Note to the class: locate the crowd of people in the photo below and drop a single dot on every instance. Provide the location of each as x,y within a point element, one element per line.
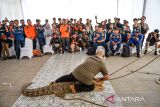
<point>72,35</point>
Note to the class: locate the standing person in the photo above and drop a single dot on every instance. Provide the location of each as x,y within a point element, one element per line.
<point>126,28</point>
<point>11,24</point>
<point>144,27</point>
<point>119,25</point>
<point>40,34</point>
<point>152,39</point>
<point>108,24</point>
<point>19,37</point>
<point>60,22</point>
<point>136,25</point>
<point>47,29</point>
<point>23,26</point>
<point>30,32</point>
<point>4,34</point>
<point>54,22</point>
<point>85,73</point>
<point>64,29</point>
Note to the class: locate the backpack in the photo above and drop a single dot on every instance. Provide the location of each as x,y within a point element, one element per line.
<point>90,51</point>
<point>125,51</point>
<point>37,52</point>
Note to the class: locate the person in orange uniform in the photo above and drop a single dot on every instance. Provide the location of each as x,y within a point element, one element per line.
<point>65,29</point>
<point>30,32</point>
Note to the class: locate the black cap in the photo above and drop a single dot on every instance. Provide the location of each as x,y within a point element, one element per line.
<point>135,19</point>
<point>156,30</point>
<point>37,20</point>
<point>116,29</point>
<point>128,31</point>
<point>138,31</point>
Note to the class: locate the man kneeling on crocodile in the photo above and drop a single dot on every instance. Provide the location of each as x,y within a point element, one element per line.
<point>82,79</point>
<point>85,73</point>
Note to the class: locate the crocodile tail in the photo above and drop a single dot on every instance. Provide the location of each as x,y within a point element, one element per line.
<point>46,90</point>
<point>25,86</point>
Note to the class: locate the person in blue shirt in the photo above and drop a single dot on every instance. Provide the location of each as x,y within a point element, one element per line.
<point>40,34</point>
<point>136,40</point>
<point>108,33</point>
<point>100,40</point>
<point>18,33</point>
<point>115,40</point>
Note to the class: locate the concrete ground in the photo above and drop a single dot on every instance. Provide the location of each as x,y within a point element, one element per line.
<point>13,74</point>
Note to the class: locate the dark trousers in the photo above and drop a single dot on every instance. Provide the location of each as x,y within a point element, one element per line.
<point>41,42</point>
<point>19,43</point>
<point>34,43</point>
<point>95,45</point>
<point>80,87</point>
<point>112,47</point>
<point>65,42</point>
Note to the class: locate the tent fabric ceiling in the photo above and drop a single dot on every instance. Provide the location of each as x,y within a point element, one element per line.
<point>125,9</point>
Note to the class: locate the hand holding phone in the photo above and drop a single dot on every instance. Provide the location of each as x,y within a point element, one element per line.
<point>95,17</point>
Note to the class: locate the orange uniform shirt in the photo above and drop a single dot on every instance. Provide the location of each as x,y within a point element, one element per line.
<point>30,31</point>
<point>64,29</point>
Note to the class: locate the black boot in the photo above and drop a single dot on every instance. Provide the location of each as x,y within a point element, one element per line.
<point>138,54</point>
<point>145,52</point>
<point>107,54</point>
<point>155,53</point>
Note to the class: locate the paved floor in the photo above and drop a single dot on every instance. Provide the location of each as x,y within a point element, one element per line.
<point>129,89</point>
<point>13,74</point>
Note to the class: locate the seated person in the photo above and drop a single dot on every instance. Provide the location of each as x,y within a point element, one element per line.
<point>152,39</point>
<point>115,40</point>
<point>56,43</point>
<point>108,33</point>
<point>84,40</point>
<point>74,43</point>
<point>136,40</point>
<point>99,40</point>
<point>85,73</point>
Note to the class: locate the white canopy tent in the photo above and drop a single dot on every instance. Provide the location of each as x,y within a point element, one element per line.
<point>104,9</point>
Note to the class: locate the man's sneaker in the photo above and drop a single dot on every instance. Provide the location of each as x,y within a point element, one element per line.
<point>145,52</point>
<point>115,53</point>
<point>158,81</point>
<point>155,53</point>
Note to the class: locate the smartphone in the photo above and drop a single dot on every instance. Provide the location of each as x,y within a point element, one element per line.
<point>95,17</point>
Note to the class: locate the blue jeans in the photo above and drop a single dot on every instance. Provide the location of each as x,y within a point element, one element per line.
<point>65,42</point>
<point>95,45</point>
<point>19,43</point>
<point>112,47</point>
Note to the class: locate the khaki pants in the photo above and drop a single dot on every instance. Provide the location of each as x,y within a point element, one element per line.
<point>5,50</point>
<point>147,45</point>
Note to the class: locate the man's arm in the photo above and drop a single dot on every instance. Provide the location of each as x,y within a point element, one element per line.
<point>104,71</point>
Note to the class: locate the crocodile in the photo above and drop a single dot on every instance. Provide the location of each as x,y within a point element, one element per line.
<point>59,89</point>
